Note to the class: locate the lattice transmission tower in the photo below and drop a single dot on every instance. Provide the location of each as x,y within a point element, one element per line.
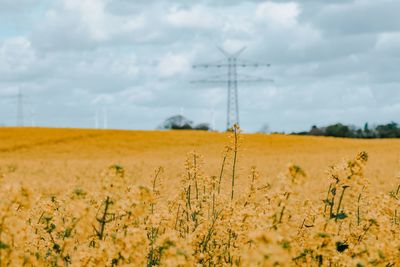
<point>231,63</point>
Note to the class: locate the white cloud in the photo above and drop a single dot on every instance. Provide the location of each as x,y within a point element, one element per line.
<point>137,95</point>
<point>7,6</point>
<point>104,99</point>
<point>173,64</point>
<point>126,54</point>
<point>279,14</point>
<point>111,64</point>
<point>91,15</point>
<point>16,57</point>
<point>234,45</point>
<point>194,17</point>
<point>79,24</point>
<point>388,41</point>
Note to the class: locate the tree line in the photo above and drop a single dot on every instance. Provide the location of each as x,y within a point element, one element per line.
<point>390,130</point>
<point>179,122</point>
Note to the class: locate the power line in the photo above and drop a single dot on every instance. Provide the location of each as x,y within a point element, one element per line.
<point>232,78</point>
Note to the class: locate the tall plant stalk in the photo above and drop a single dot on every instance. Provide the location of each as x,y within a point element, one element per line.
<point>235,152</point>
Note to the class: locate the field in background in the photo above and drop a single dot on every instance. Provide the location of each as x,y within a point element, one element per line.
<point>61,155</point>
<point>51,162</point>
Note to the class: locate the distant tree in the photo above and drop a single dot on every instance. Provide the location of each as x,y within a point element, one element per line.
<point>177,122</point>
<point>301,133</point>
<point>388,130</point>
<point>359,133</point>
<point>264,129</point>
<point>366,128</point>
<point>338,130</point>
<point>316,131</point>
<point>368,132</point>
<point>203,127</point>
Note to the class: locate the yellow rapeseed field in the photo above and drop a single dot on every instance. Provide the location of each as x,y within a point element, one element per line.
<point>73,197</point>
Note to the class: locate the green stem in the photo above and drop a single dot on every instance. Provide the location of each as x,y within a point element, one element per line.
<point>195,175</point>
<point>222,171</point>
<point>340,202</point>
<point>154,187</point>
<point>358,210</point>
<point>235,151</point>
<point>177,216</point>
<point>327,199</point>
<point>103,222</point>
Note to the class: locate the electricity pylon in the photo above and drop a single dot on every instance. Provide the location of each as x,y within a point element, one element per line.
<point>21,101</point>
<point>232,79</point>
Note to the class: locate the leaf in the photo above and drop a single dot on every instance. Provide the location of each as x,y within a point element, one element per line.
<point>57,248</point>
<point>341,216</point>
<point>341,246</point>
<point>3,245</point>
<point>323,235</point>
<point>333,191</point>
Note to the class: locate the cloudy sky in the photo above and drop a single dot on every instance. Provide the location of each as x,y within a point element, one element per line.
<point>332,61</point>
